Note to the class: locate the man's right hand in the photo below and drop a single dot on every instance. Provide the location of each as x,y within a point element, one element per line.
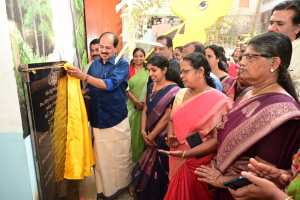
<point>86,92</point>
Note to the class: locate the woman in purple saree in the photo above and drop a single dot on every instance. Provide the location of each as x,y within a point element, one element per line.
<point>263,122</point>
<point>150,175</point>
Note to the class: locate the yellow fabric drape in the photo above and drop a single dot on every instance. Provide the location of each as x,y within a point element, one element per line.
<point>59,139</point>
<point>79,153</point>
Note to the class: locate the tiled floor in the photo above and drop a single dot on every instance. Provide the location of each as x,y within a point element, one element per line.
<point>87,189</point>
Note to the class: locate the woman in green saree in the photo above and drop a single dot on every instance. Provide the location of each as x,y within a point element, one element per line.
<point>138,77</point>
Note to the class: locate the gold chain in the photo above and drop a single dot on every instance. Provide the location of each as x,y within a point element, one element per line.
<point>259,91</point>
<point>152,97</point>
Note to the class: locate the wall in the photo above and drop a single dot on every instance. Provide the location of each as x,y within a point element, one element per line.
<point>100,17</point>
<point>266,9</point>
<point>268,5</point>
<point>15,182</point>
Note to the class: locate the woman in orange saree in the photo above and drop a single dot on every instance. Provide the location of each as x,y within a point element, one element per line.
<point>196,109</point>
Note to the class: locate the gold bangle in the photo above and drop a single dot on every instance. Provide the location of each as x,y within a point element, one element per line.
<point>153,134</point>
<point>183,154</point>
<point>217,177</point>
<point>289,197</point>
<point>143,131</point>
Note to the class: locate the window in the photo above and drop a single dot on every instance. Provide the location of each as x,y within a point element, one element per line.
<point>244,3</point>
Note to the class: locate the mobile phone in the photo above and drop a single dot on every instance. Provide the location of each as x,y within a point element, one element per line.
<point>237,183</point>
<point>194,140</point>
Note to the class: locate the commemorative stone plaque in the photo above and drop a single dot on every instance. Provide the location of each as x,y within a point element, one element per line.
<point>45,86</point>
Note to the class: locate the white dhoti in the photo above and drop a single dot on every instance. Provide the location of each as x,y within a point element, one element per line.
<point>112,148</point>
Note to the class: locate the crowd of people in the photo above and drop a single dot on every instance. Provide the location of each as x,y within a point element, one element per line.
<point>180,124</point>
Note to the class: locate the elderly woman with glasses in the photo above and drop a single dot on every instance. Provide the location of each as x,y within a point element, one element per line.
<point>263,122</point>
<point>197,109</point>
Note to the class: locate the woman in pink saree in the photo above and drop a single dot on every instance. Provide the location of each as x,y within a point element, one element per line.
<point>196,109</point>
<point>263,122</point>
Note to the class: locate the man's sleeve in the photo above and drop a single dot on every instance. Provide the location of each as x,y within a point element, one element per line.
<point>294,70</point>
<point>89,73</point>
<point>119,75</point>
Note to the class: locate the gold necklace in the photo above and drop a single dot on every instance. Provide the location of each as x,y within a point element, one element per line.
<point>152,97</point>
<point>189,94</point>
<point>258,92</point>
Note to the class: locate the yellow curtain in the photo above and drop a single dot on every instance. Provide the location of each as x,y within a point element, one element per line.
<point>79,153</point>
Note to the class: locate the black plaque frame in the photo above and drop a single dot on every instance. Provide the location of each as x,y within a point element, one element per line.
<point>40,82</point>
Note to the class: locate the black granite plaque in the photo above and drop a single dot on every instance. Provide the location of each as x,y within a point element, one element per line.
<point>46,95</point>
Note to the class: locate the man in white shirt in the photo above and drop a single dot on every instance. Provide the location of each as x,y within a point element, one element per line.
<point>286,19</point>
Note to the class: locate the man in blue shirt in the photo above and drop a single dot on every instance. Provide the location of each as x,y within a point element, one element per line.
<point>107,83</point>
<point>198,47</point>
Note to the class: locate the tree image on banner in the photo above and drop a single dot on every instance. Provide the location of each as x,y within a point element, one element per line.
<point>77,11</point>
<point>32,38</point>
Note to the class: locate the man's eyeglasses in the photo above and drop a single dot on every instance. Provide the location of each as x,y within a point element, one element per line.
<point>250,56</point>
<point>184,72</point>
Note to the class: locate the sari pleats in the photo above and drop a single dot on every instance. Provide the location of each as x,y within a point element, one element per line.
<point>184,183</point>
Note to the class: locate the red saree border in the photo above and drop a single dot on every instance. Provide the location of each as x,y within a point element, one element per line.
<point>253,129</point>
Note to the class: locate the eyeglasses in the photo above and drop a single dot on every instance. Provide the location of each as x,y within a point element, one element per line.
<point>184,72</point>
<point>250,56</point>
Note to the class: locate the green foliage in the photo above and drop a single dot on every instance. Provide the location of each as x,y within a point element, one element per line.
<point>81,36</point>
<point>79,22</point>
<point>225,24</point>
<point>26,55</point>
<point>42,14</point>
<point>46,23</point>
<point>28,16</point>
<point>84,59</point>
<point>137,12</point>
<point>25,51</point>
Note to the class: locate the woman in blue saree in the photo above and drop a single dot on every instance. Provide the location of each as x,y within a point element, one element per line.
<point>150,175</point>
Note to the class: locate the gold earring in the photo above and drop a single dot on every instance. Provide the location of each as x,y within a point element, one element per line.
<point>200,76</point>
